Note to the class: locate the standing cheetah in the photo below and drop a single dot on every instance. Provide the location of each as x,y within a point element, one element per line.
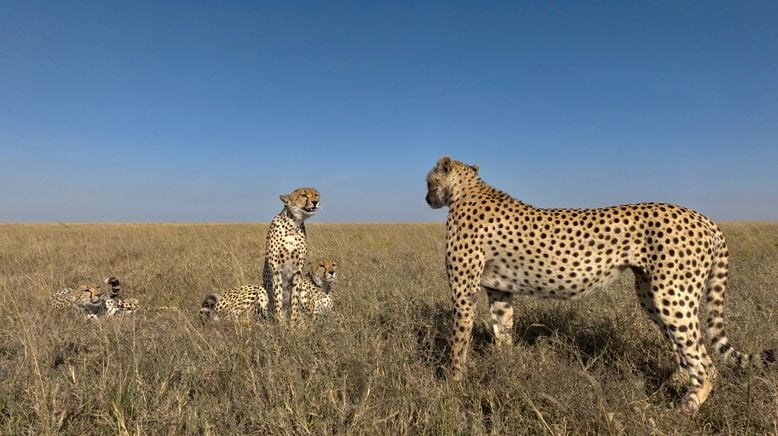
<point>285,250</point>
<point>243,300</point>
<point>316,295</point>
<point>506,247</point>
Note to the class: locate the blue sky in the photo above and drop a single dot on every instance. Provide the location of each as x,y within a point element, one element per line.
<point>165,111</point>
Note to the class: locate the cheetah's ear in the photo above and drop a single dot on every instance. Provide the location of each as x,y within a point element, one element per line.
<point>284,198</point>
<point>444,164</point>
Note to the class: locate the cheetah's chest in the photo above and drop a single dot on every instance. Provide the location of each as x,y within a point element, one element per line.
<point>287,242</point>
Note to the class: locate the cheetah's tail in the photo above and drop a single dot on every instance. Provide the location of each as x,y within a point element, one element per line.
<point>164,309</point>
<point>714,295</point>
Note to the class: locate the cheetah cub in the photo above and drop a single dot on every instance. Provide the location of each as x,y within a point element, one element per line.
<point>316,295</point>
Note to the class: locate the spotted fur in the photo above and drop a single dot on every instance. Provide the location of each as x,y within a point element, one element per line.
<point>242,301</point>
<point>505,247</point>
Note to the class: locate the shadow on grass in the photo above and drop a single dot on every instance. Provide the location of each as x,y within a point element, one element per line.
<point>594,341</point>
<point>433,331</point>
<point>572,336</point>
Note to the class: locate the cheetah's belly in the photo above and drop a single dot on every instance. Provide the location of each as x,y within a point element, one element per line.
<point>524,282</point>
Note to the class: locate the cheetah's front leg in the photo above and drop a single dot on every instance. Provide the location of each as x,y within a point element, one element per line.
<point>463,278</point>
<point>296,290</point>
<point>278,294</point>
<point>465,297</point>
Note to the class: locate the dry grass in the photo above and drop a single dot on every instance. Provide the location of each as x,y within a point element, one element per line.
<point>594,366</point>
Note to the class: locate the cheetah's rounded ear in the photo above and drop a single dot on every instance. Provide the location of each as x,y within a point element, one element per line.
<point>284,198</point>
<point>444,164</point>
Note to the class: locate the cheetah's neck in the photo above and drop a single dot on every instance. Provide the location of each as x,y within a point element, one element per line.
<point>323,286</point>
<point>473,186</point>
<point>298,221</point>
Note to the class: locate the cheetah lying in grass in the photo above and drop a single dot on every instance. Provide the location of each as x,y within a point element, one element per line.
<point>86,300</point>
<point>239,302</point>
<point>83,300</point>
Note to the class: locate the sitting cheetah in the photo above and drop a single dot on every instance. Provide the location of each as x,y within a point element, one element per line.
<point>286,248</point>
<point>506,247</point>
<point>316,292</point>
<point>236,302</point>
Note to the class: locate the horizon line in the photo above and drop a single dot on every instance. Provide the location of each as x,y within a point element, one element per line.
<point>118,223</point>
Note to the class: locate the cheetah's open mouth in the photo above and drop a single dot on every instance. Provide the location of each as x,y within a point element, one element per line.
<point>311,210</point>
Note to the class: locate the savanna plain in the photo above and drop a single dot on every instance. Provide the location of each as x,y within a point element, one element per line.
<point>377,365</point>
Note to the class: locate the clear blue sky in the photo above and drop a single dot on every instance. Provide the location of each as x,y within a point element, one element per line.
<point>165,111</point>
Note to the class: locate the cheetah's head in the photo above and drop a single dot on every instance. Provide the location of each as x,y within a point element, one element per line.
<point>88,293</point>
<point>207,312</point>
<point>444,179</point>
<point>303,203</point>
<point>324,272</point>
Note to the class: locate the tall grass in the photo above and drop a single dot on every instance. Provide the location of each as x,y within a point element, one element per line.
<point>377,365</point>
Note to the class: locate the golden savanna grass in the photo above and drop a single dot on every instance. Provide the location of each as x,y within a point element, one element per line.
<point>376,366</point>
